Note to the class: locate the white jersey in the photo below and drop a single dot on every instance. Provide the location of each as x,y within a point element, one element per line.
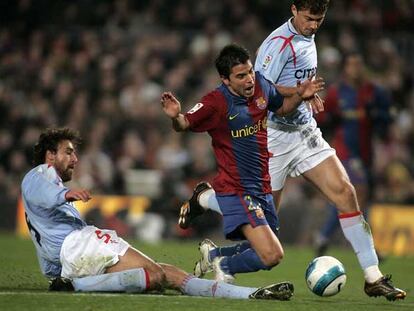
<point>49,216</point>
<point>284,58</point>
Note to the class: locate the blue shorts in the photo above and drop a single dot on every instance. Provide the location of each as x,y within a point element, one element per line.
<point>238,210</point>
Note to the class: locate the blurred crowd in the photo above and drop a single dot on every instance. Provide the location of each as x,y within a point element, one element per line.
<point>100,67</point>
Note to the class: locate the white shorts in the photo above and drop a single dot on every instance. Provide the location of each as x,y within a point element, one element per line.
<point>295,150</point>
<point>90,251</point>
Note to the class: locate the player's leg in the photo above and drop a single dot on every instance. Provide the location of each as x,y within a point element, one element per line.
<point>192,286</point>
<point>265,253</point>
<point>209,251</point>
<point>359,178</point>
<point>331,223</point>
<point>252,218</point>
<point>331,178</point>
<point>134,272</point>
<point>99,260</point>
<point>203,198</point>
<point>265,243</point>
<point>134,259</point>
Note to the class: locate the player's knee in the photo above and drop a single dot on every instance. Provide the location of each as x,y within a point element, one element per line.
<point>272,257</point>
<point>157,278</point>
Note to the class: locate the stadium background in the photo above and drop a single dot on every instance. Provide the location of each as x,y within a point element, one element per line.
<point>100,67</point>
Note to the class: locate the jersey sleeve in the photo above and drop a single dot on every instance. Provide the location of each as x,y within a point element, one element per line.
<point>205,115</point>
<point>275,99</point>
<point>39,191</point>
<point>273,57</point>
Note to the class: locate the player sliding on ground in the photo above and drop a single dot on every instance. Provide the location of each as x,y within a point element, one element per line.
<point>79,257</point>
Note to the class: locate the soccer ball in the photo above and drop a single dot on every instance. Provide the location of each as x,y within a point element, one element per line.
<point>325,276</point>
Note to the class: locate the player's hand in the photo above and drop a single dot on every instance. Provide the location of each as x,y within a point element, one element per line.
<point>310,87</point>
<point>170,105</point>
<point>316,104</point>
<point>78,195</point>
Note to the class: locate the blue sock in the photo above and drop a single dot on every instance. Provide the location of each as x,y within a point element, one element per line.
<point>331,224</point>
<point>193,286</point>
<point>247,261</point>
<point>134,280</point>
<point>229,250</point>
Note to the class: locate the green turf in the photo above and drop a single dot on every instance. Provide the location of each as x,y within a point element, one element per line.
<point>22,287</point>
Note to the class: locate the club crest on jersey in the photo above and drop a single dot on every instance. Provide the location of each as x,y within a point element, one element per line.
<point>267,61</point>
<point>195,108</point>
<point>261,103</point>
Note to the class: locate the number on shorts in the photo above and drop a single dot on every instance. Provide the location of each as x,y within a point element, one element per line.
<point>101,236</point>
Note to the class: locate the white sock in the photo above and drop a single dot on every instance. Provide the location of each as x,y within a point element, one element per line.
<point>372,274</point>
<point>208,200</point>
<point>358,233</point>
<point>134,280</point>
<point>204,197</point>
<point>193,286</point>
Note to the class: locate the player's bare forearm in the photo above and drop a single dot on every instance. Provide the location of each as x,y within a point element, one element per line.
<point>303,90</point>
<point>78,195</point>
<point>286,90</point>
<point>290,104</point>
<point>306,88</point>
<point>180,123</point>
<point>172,108</point>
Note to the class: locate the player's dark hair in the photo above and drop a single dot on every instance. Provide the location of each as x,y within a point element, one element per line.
<point>50,139</point>
<point>231,55</point>
<point>314,6</point>
<point>346,56</point>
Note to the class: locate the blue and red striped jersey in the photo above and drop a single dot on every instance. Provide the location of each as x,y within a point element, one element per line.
<point>357,114</point>
<point>237,126</point>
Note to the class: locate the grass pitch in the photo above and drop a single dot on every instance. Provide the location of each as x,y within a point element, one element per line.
<point>22,287</point>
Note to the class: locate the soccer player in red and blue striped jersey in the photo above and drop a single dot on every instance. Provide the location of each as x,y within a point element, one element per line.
<point>235,116</point>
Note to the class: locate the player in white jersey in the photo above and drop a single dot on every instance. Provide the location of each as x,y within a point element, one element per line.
<point>296,146</point>
<point>76,256</point>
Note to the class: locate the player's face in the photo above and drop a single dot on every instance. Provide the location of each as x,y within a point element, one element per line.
<point>65,160</point>
<point>354,67</point>
<point>306,23</point>
<point>241,80</point>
